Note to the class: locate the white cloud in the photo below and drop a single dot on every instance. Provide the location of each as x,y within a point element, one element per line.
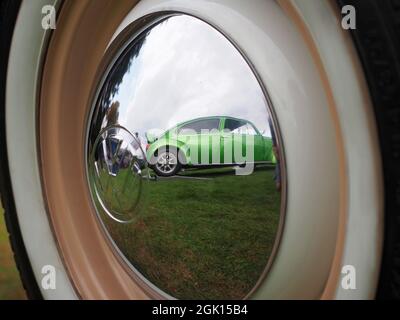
<point>185,70</point>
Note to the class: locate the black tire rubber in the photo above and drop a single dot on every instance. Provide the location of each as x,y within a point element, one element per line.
<point>8,14</point>
<point>377,39</point>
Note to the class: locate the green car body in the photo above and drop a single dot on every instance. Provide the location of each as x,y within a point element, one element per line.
<point>212,141</point>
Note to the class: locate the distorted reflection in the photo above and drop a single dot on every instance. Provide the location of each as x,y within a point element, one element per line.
<point>183,162</point>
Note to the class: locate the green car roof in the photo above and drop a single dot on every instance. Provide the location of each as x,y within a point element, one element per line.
<point>209,118</point>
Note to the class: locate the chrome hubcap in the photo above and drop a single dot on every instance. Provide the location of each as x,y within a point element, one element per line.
<point>178,84</point>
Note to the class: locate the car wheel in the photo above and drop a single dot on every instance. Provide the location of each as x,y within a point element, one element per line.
<point>166,163</point>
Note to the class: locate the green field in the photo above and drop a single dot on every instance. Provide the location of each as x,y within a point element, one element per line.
<point>207,238</point>
<point>10,284</point>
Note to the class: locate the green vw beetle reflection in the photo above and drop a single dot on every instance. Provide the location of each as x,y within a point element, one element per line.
<point>208,142</point>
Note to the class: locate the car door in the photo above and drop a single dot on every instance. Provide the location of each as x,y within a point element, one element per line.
<point>200,137</point>
<point>257,142</point>
<point>241,142</point>
<point>232,141</point>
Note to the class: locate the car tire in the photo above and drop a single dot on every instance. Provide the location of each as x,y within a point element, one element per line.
<point>377,39</point>
<point>169,153</point>
<point>8,14</point>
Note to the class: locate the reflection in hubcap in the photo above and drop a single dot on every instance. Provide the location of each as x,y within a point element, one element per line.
<point>117,168</point>
<point>181,126</point>
<point>166,162</point>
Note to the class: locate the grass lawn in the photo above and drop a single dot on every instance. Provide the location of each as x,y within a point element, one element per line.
<point>10,284</point>
<point>207,238</point>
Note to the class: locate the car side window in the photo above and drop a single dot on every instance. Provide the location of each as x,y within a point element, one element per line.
<point>239,127</point>
<point>235,126</point>
<point>199,126</point>
<point>241,130</point>
<point>251,130</point>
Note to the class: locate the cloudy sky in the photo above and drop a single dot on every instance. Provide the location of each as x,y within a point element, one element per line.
<point>185,70</point>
